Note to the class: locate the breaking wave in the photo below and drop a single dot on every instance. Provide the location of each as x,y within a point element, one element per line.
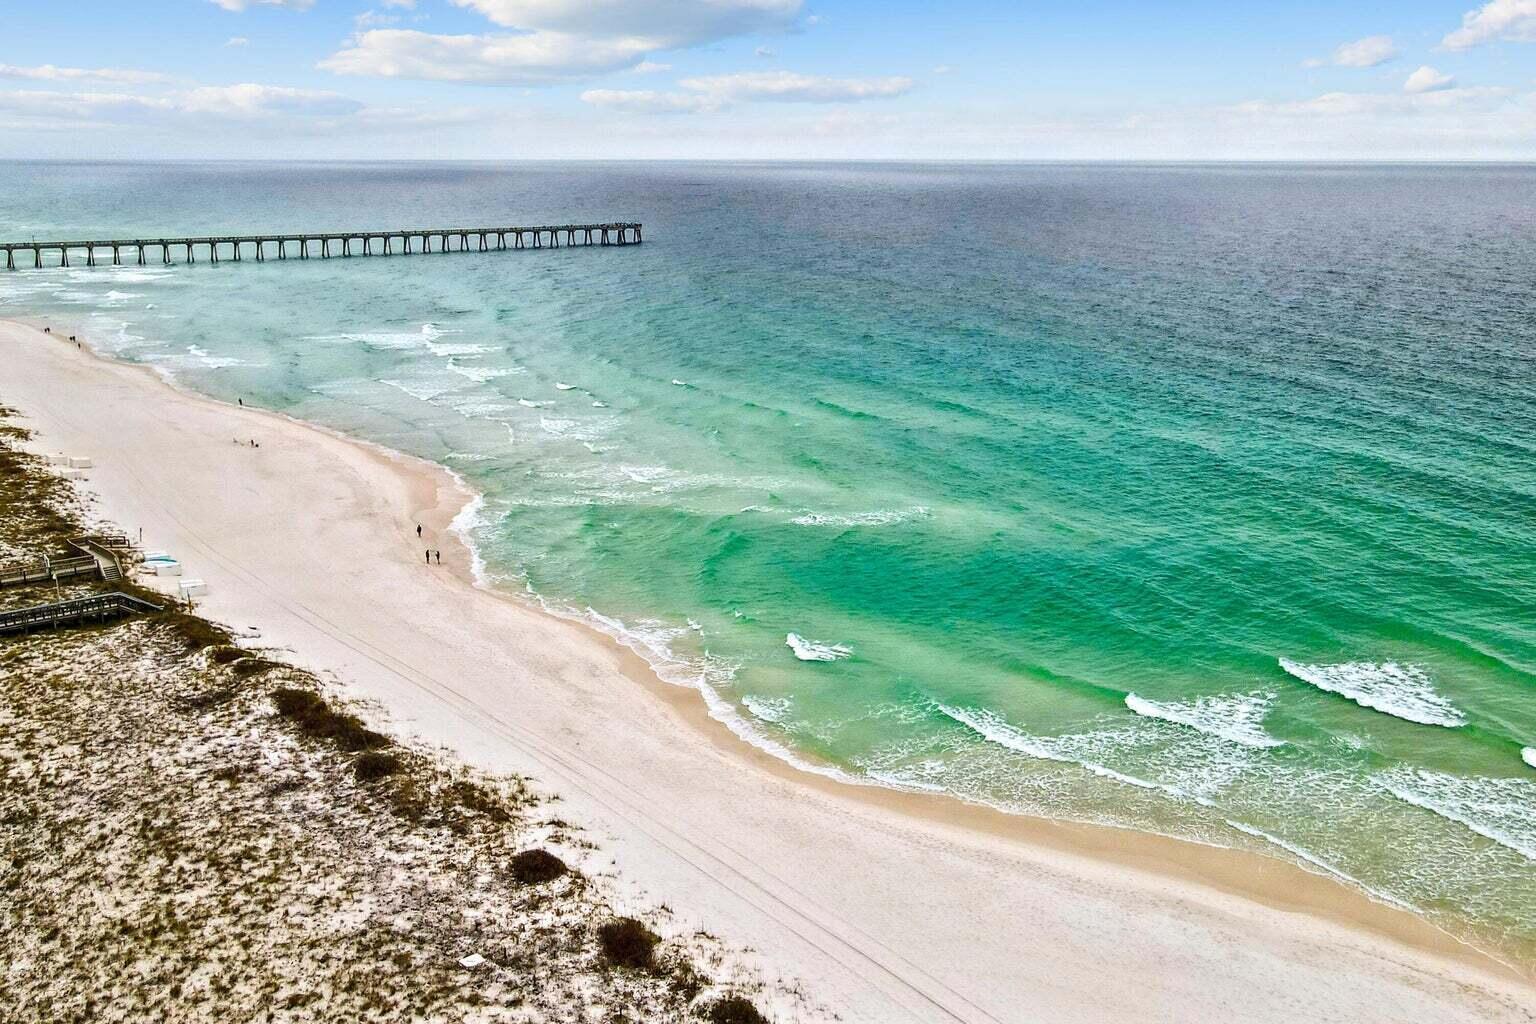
<point>990,726</point>
<point>1501,810</point>
<point>879,517</point>
<point>1238,718</point>
<point>1403,691</point>
<point>815,650</point>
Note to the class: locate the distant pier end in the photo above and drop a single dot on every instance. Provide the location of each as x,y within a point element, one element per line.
<point>301,246</point>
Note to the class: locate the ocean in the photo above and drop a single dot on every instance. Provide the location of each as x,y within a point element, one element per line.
<point>1197,499</point>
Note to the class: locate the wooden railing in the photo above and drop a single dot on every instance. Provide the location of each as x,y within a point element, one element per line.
<point>76,612</point>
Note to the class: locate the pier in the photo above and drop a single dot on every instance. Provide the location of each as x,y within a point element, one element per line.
<point>321,245</point>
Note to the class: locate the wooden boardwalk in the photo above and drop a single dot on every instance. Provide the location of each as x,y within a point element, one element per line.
<point>78,612</point>
<point>322,245</point>
<point>47,570</point>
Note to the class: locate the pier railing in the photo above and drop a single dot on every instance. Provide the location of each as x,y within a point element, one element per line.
<point>333,243</point>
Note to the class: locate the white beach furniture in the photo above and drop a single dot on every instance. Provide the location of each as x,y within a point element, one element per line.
<point>192,588</point>
<point>80,461</point>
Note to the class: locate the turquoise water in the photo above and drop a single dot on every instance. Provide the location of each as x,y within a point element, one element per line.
<point>1195,499</point>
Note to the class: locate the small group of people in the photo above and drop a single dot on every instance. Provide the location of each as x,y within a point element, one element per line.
<point>244,444</point>
<point>430,553</point>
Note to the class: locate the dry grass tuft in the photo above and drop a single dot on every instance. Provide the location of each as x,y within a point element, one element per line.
<point>732,1010</point>
<point>373,765</point>
<point>627,942</point>
<point>535,867</point>
<point>317,719</point>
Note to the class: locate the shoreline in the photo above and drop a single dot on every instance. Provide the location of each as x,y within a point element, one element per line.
<point>1166,867</point>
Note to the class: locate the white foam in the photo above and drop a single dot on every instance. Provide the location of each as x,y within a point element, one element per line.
<point>202,358</point>
<point>879,517</point>
<point>1528,755</point>
<point>1317,862</point>
<point>645,474</point>
<point>991,727</point>
<point>530,404</point>
<point>815,650</point>
<point>1403,691</point>
<point>564,387</point>
<point>769,709</point>
<point>679,383</point>
<point>416,389</point>
<point>470,518</point>
<point>1502,810</point>
<point>480,374</point>
<point>457,350</point>
<point>599,405</point>
<point>569,428</point>
<point>1235,717</point>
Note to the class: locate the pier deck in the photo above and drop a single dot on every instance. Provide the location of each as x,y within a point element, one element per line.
<point>333,243</point>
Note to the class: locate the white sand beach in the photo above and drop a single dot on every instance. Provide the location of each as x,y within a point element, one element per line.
<point>887,907</point>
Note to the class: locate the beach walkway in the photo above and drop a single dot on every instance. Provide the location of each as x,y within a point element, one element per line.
<point>79,611</point>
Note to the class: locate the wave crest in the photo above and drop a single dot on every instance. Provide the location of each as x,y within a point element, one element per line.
<point>1403,691</point>
<point>1235,717</point>
<point>815,650</point>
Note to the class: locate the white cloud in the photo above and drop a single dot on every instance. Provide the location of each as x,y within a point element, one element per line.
<point>647,101</point>
<point>1364,53</point>
<point>1427,79</point>
<point>407,4</point>
<point>648,67</point>
<point>535,59</point>
<point>50,73</point>
<point>670,23</point>
<point>1499,19</point>
<point>715,92</point>
<point>942,69</point>
<point>374,19</point>
<point>241,5</point>
<point>237,41</point>
<point>252,100</point>
<point>787,86</point>
<point>245,102</point>
<point>1374,104</point>
<point>764,51</point>
<point>557,39</point>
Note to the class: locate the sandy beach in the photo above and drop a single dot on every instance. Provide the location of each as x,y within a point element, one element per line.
<point>886,906</point>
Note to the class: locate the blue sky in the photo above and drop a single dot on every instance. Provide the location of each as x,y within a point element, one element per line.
<point>496,79</point>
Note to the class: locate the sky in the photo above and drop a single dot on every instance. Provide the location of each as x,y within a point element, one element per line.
<point>767,79</point>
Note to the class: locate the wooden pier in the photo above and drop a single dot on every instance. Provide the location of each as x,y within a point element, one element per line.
<point>323,245</point>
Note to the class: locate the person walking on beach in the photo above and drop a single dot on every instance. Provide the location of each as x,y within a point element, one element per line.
<point>429,556</point>
<point>439,558</point>
<point>418,531</point>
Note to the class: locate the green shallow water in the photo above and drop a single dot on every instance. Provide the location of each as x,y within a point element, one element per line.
<point>1195,499</point>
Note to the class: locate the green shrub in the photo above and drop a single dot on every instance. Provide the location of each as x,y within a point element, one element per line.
<point>732,1010</point>
<point>534,867</point>
<point>196,632</point>
<point>314,717</point>
<point>628,943</point>
<point>373,765</point>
